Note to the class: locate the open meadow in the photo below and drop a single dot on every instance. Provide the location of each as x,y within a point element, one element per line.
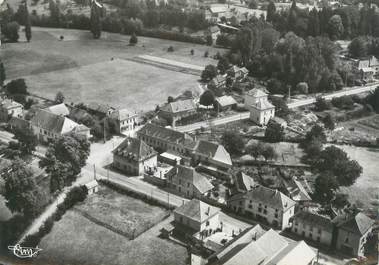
<point>76,239</point>
<point>88,70</point>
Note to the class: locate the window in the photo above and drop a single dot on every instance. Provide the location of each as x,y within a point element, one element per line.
<point>319,230</point>
<point>207,223</point>
<point>250,206</point>
<point>310,235</point>
<point>276,215</point>
<point>318,239</point>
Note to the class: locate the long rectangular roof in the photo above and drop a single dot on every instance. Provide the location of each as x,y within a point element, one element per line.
<point>162,133</point>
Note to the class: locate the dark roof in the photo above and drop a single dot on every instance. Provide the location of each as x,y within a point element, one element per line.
<point>134,149</point>
<point>52,122</point>
<point>166,134</point>
<point>244,182</point>
<point>360,223</point>
<point>99,107</point>
<point>314,220</point>
<point>214,151</point>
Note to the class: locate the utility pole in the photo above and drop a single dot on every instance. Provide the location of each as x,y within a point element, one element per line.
<point>168,199</point>
<point>94,171</point>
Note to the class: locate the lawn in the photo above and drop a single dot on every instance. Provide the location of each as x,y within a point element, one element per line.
<point>77,239</point>
<point>129,215</point>
<point>82,69</point>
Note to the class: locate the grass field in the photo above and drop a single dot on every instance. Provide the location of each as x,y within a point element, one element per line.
<point>82,69</point>
<point>77,240</point>
<point>129,215</point>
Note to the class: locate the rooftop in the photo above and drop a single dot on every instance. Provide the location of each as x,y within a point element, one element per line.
<point>226,101</point>
<point>359,223</point>
<point>134,149</point>
<point>122,114</point>
<point>179,106</point>
<point>314,220</point>
<point>201,183</point>
<point>53,123</point>
<point>213,150</point>
<point>59,109</point>
<point>256,93</point>
<point>166,134</point>
<point>197,210</point>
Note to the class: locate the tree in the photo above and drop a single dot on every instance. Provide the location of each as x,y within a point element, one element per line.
<point>95,19</point>
<point>325,188</point>
<point>209,40</point>
<point>170,99</point>
<point>59,98</point>
<point>313,23</point>
<point>268,152</point>
<point>233,142</point>
<point>313,150</point>
<point>253,4</point>
<point>28,25</point>
<point>207,98</point>
<point>223,64</point>
<point>133,39</point>
<point>271,11</point>
<point>21,191</point>
<point>316,133</point>
<point>27,140</point>
<point>373,99</point>
<point>281,108</point>
<point>302,88</point>
<point>329,122</point>
<point>192,52</point>
<point>335,27</point>
<point>2,73</point>
<point>255,150</point>
<point>358,47</point>
<point>274,132</point>
<point>10,31</point>
<point>321,104</point>
<point>209,72</point>
<point>17,86</point>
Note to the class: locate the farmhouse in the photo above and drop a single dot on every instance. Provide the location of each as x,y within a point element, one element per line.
<point>353,231</point>
<point>123,120</point>
<point>177,110</point>
<point>314,227</point>
<point>268,205</point>
<point>197,217</point>
<point>225,103</point>
<point>243,182</point>
<point>189,183</point>
<point>265,248</point>
<point>217,83</point>
<point>237,73</point>
<point>59,109</point>
<point>261,110</point>
<point>133,156</point>
<point>10,108</point>
<point>92,187</point>
<point>48,126</point>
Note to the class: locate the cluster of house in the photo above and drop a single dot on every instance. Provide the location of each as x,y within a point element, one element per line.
<point>366,69</point>
<point>51,122</point>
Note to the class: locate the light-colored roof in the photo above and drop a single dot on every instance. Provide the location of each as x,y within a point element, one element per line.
<point>122,114</point>
<point>256,93</point>
<point>296,253</point>
<point>226,101</point>
<point>218,8</point>
<point>313,219</point>
<point>199,181</point>
<point>134,149</point>
<point>170,156</point>
<point>53,123</point>
<point>92,184</point>
<point>179,106</point>
<point>197,210</point>
<point>165,134</point>
<point>263,105</point>
<point>213,150</point>
<point>244,182</point>
<point>59,109</point>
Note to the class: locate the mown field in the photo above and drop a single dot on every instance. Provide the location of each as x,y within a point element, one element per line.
<point>77,240</point>
<point>88,70</point>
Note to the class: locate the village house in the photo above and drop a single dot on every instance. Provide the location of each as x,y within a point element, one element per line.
<point>212,158</point>
<point>197,218</point>
<point>352,233</point>
<point>266,205</point>
<point>134,156</point>
<point>48,126</point>
<point>243,182</point>
<point>260,247</point>
<point>261,110</point>
<point>123,120</point>
<point>100,110</point>
<point>296,191</point>
<point>92,187</point>
<point>217,83</point>
<point>59,109</point>
<point>237,73</point>
<point>189,183</point>
<point>215,12</point>
<point>177,110</point>
<point>314,227</point>
<point>10,108</point>
<point>225,103</point>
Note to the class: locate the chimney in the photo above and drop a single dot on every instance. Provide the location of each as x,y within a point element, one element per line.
<point>209,210</point>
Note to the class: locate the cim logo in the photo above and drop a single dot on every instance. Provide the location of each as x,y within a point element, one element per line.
<point>24,252</point>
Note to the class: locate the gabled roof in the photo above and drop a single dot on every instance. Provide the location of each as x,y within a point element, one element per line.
<point>266,196</point>
<point>53,123</point>
<point>92,184</point>
<point>166,134</point>
<point>244,182</point>
<point>179,106</point>
<point>134,149</point>
<point>197,210</point>
<point>218,80</point>
<point>59,109</point>
<point>213,150</point>
<point>226,101</point>
<point>256,93</point>
<point>201,183</point>
<point>360,223</point>
<point>235,69</point>
<point>122,114</point>
<point>314,219</point>
<point>10,104</point>
<point>263,105</point>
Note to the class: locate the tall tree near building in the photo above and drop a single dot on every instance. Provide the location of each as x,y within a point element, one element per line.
<point>313,23</point>
<point>335,27</point>
<point>271,11</point>
<point>28,24</point>
<point>95,19</point>
<point>2,73</point>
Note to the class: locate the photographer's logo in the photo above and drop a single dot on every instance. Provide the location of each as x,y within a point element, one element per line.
<point>24,252</point>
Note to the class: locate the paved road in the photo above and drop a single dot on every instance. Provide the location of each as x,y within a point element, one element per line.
<point>298,103</point>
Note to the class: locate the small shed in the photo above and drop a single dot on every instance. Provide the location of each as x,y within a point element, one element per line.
<point>225,103</point>
<point>92,187</point>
